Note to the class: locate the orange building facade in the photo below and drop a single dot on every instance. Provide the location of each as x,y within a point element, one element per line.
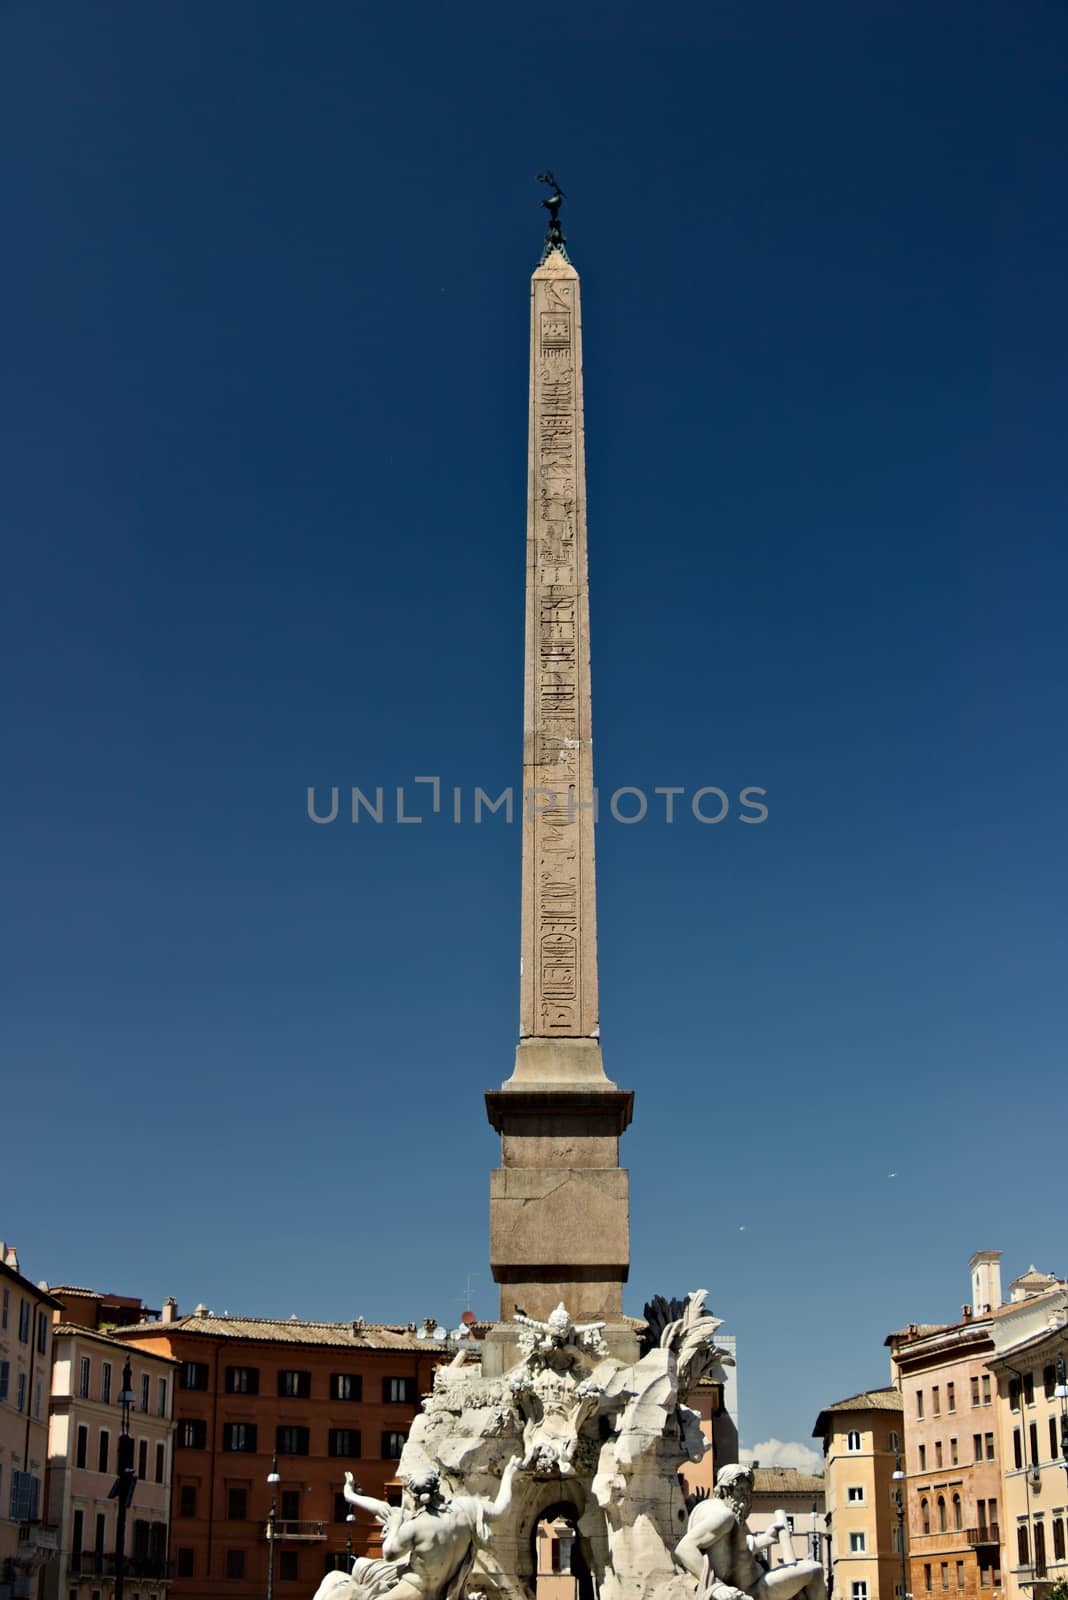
<point>325,1398</point>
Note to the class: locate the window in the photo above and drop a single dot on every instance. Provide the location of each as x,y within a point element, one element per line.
<point>101,1524</point>
<point>341,1508</point>
<point>83,1378</point>
<point>954,1455</point>
<point>857,1543</point>
<point>925,1515</point>
<point>1029,1390</point>
<point>291,1441</point>
<point>1017,1448</point>
<point>927,1576</point>
<point>81,1449</point>
<point>1049,1380</point>
<point>24,1322</point>
<point>951,1397</point>
<point>5,1378</point>
<point>294,1385</point>
<point>42,1333</point>
<point>1014,1394</point>
<point>1058,1539</point>
<point>919,1402</point>
<point>161,1397</point>
<point>142,1459</point>
<point>344,1442</point>
<point>290,1505</point>
<point>960,1574</point>
<point>5,1310</point>
<point>859,1590</point>
<point>853,1440</point>
<point>104,1451</point>
<point>239,1436</point>
<point>988,1441</point>
<point>399,1390</point>
<point>192,1433</point>
<point>242,1380</point>
<point>237,1505</point>
<point>993,1505</point>
<point>235,1563</point>
<point>958,1512</point>
<point>25,1502</point>
<point>986,1388</point>
<point>855,1494</point>
<point>893,1441</point>
<point>938,1452</point>
<point>977,1445</point>
<point>1053,1442</point>
<point>921,1451</point>
<point>105,1382</point>
<point>1032,1439</point>
<point>187,1500</point>
<point>1023,1545</point>
<point>193,1375</point>
<point>184,1562</point>
<point>941,1503</point>
<point>77,1534</point>
<point>288,1566</point>
<point>146,1386</point>
<point>975,1391</point>
<point>936,1402</point>
<point>20,1402</point>
<point>945,1574</point>
<point>160,1458</point>
<point>392,1444</point>
<point>346,1386</point>
<point>1040,1549</point>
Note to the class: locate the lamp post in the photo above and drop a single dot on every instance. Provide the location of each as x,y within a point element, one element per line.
<point>274,1480</point>
<point>899,1496</point>
<point>1061,1393</point>
<point>126,1482</point>
<point>348,1543</point>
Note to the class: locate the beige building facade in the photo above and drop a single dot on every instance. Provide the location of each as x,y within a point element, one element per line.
<point>83,1450</point>
<point>28,1545</point>
<point>1029,1369</point>
<point>862,1438</point>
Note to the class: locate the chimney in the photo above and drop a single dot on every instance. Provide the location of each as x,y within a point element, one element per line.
<point>965,1313</point>
<point>986,1280</point>
<point>170,1310</point>
<point>10,1258</point>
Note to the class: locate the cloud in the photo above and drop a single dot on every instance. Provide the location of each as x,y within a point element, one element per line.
<point>778,1453</point>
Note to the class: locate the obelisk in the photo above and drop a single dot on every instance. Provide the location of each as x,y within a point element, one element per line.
<point>559,1226</point>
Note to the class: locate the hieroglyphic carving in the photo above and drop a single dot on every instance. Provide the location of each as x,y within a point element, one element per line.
<point>560,986</point>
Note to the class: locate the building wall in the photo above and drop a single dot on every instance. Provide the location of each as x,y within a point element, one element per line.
<point>84,1409</point>
<point>26,1542</point>
<point>1035,1492</point>
<point>952,1464</point>
<point>860,1458</point>
<point>794,1494</point>
<point>220,1497</point>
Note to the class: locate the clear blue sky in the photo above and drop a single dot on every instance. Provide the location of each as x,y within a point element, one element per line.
<point>264,493</point>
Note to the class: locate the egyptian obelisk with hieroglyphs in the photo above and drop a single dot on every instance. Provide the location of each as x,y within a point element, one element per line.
<point>558,1201</point>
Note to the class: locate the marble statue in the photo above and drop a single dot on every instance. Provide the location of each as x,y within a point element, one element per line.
<point>728,1560</point>
<point>428,1544</point>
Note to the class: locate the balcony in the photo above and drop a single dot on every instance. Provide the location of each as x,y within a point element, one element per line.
<point>981,1536</point>
<point>38,1544</point>
<point>305,1531</point>
<point>90,1564</point>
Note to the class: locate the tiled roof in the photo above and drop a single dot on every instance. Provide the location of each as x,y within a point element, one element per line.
<point>888,1399</point>
<point>74,1330</point>
<point>350,1335</point>
<point>918,1330</point>
<point>68,1288</point>
<point>786,1480</point>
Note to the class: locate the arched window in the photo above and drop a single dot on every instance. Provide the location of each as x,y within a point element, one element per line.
<point>958,1512</point>
<point>925,1515</point>
<point>941,1513</point>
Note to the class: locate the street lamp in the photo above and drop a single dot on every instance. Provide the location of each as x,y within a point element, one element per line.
<point>348,1543</point>
<point>899,1496</point>
<point>274,1480</point>
<point>125,1483</point>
